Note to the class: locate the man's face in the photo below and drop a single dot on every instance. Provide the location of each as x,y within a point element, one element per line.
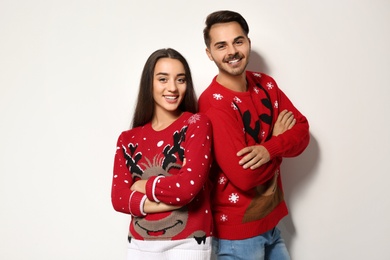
<point>229,48</point>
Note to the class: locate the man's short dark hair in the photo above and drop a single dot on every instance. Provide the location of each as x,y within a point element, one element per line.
<point>223,16</point>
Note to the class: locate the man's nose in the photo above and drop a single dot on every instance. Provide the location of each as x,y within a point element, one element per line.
<point>231,49</point>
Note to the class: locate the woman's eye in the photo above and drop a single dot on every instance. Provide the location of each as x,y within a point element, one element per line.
<point>162,79</point>
<point>183,80</point>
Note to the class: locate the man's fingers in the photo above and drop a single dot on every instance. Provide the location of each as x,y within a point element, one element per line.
<point>246,159</point>
<point>292,124</point>
<point>251,163</point>
<point>245,150</point>
<point>254,156</point>
<point>288,116</point>
<point>281,115</point>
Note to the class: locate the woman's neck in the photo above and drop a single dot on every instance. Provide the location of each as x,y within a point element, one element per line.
<point>162,121</point>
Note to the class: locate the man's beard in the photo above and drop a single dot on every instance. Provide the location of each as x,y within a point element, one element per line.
<point>229,70</point>
<point>232,71</point>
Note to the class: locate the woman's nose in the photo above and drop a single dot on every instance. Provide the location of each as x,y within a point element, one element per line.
<point>172,86</point>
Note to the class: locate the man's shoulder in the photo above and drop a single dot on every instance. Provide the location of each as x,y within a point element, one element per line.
<point>263,81</point>
<point>210,88</point>
<point>258,76</point>
<point>213,97</point>
<point>208,95</point>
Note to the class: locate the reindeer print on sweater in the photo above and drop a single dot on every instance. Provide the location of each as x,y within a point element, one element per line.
<point>249,202</point>
<point>158,156</point>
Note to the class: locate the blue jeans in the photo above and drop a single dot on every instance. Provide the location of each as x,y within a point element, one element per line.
<point>267,246</point>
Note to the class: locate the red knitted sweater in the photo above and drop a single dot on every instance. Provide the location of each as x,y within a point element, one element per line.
<point>143,153</point>
<point>246,202</point>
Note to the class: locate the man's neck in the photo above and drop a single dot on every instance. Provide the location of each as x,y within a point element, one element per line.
<point>234,83</point>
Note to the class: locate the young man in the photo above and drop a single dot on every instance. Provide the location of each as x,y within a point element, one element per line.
<point>245,108</point>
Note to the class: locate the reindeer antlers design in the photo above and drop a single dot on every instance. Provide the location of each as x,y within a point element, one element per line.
<point>169,153</point>
<point>132,160</point>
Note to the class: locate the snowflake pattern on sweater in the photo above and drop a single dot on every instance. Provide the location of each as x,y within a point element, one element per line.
<point>247,202</point>
<point>158,156</point>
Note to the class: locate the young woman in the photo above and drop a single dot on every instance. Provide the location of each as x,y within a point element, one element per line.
<point>162,163</point>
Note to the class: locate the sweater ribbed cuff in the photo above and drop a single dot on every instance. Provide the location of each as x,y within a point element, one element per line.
<point>136,204</point>
<point>272,147</point>
<point>150,188</point>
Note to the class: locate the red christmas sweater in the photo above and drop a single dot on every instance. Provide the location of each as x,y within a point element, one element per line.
<point>246,202</point>
<point>143,153</point>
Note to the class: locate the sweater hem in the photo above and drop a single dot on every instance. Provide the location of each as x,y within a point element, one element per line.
<point>237,231</point>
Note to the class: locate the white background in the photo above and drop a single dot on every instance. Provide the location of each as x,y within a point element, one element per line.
<point>69,74</point>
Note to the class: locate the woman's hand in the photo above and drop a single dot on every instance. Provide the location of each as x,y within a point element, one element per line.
<point>154,207</point>
<point>139,186</point>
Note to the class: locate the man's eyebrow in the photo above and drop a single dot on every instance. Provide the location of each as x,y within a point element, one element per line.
<point>220,43</point>
<point>235,39</point>
<point>239,38</point>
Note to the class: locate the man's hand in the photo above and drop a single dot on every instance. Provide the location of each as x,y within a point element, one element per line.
<point>284,122</point>
<point>255,156</point>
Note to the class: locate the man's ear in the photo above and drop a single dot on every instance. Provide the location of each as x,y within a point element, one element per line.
<point>209,54</point>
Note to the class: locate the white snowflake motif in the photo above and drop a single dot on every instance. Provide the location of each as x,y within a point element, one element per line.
<point>256,89</point>
<point>217,96</point>
<point>270,85</point>
<point>233,106</point>
<point>224,218</point>
<point>263,134</point>
<point>257,75</point>
<point>237,100</point>
<point>276,104</point>
<point>222,180</point>
<point>233,198</point>
<point>193,119</point>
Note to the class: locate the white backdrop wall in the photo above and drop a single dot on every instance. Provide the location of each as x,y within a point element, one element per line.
<point>69,73</point>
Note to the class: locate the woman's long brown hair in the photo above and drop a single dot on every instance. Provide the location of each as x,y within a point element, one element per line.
<point>145,104</point>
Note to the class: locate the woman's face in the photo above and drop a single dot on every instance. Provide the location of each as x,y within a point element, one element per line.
<point>169,85</point>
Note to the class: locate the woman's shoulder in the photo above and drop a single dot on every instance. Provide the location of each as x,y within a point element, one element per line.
<point>132,133</point>
<point>196,118</point>
<point>198,123</point>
